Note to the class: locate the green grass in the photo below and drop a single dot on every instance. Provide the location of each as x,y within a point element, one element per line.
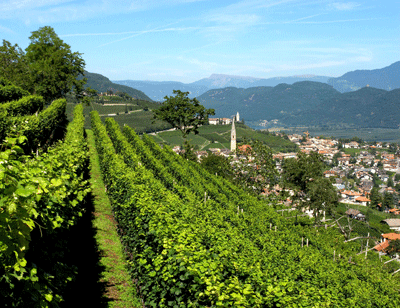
<point>352,152</point>
<point>120,288</point>
<point>374,218</point>
<point>208,134</point>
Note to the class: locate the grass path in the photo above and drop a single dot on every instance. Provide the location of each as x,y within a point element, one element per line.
<point>119,287</point>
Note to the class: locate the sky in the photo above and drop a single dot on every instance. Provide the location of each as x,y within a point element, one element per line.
<point>186,40</point>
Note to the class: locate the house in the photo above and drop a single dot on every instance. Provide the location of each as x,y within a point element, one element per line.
<point>393,223</point>
<point>329,173</point>
<point>213,121</point>
<point>362,200</point>
<point>226,121</point>
<point>385,241</point>
<point>352,213</point>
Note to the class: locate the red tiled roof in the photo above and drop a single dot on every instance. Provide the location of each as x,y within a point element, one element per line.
<point>362,199</point>
<point>391,236</point>
<point>382,246</point>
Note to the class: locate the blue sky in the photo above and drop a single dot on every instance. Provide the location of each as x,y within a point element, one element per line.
<point>186,40</point>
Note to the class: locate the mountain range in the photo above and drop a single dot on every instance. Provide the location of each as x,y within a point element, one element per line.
<point>387,78</point>
<point>308,103</point>
<point>365,98</point>
<point>157,90</point>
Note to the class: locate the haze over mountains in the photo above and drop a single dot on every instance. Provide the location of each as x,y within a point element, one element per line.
<point>387,78</point>
<point>363,98</point>
<point>157,90</point>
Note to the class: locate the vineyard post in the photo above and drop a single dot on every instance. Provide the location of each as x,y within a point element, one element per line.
<point>334,255</point>
<point>307,242</point>
<point>366,247</point>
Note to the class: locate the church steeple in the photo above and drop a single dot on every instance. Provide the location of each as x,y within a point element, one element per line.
<point>233,136</point>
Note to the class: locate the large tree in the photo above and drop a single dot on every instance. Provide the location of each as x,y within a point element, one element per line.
<point>14,65</point>
<point>183,113</point>
<point>304,176</point>
<point>54,68</point>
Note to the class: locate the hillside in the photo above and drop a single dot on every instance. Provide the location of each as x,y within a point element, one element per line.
<point>387,78</point>
<point>218,136</point>
<point>157,90</point>
<point>266,102</point>
<point>102,84</point>
<point>366,107</point>
<point>308,103</point>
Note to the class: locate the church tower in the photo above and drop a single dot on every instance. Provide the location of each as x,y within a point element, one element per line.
<point>233,136</point>
<point>237,117</point>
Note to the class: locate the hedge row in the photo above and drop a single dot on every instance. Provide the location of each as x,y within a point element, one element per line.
<point>44,128</point>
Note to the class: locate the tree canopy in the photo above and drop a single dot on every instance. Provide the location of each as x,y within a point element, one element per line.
<point>47,67</point>
<point>305,176</point>
<point>53,66</point>
<point>183,113</point>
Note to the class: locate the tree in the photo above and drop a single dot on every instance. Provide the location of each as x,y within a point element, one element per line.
<point>375,197</point>
<point>54,68</point>
<point>387,201</point>
<point>390,182</point>
<point>394,247</point>
<point>218,164</point>
<point>183,113</point>
<point>256,168</point>
<point>304,176</point>
<point>14,65</point>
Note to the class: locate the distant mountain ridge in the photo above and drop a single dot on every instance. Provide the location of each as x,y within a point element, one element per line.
<point>157,90</point>
<point>387,78</point>
<point>307,103</point>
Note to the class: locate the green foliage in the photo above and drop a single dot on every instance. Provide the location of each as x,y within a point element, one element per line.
<point>256,168</point>
<point>190,244</point>
<point>53,66</point>
<point>24,106</point>
<point>305,176</point>
<point>183,113</point>
<point>375,197</point>
<point>43,129</point>
<point>10,92</point>
<point>218,164</point>
<point>14,65</point>
<point>38,194</point>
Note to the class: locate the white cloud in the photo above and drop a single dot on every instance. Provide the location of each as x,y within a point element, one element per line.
<point>344,6</point>
<point>46,11</point>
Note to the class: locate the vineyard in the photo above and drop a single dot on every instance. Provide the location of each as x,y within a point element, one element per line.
<point>191,239</point>
<point>195,240</point>
<point>43,167</point>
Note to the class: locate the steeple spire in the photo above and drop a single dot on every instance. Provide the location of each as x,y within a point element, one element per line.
<point>233,136</point>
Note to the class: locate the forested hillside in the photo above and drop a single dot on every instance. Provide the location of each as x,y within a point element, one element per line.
<point>101,83</point>
<point>308,103</point>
